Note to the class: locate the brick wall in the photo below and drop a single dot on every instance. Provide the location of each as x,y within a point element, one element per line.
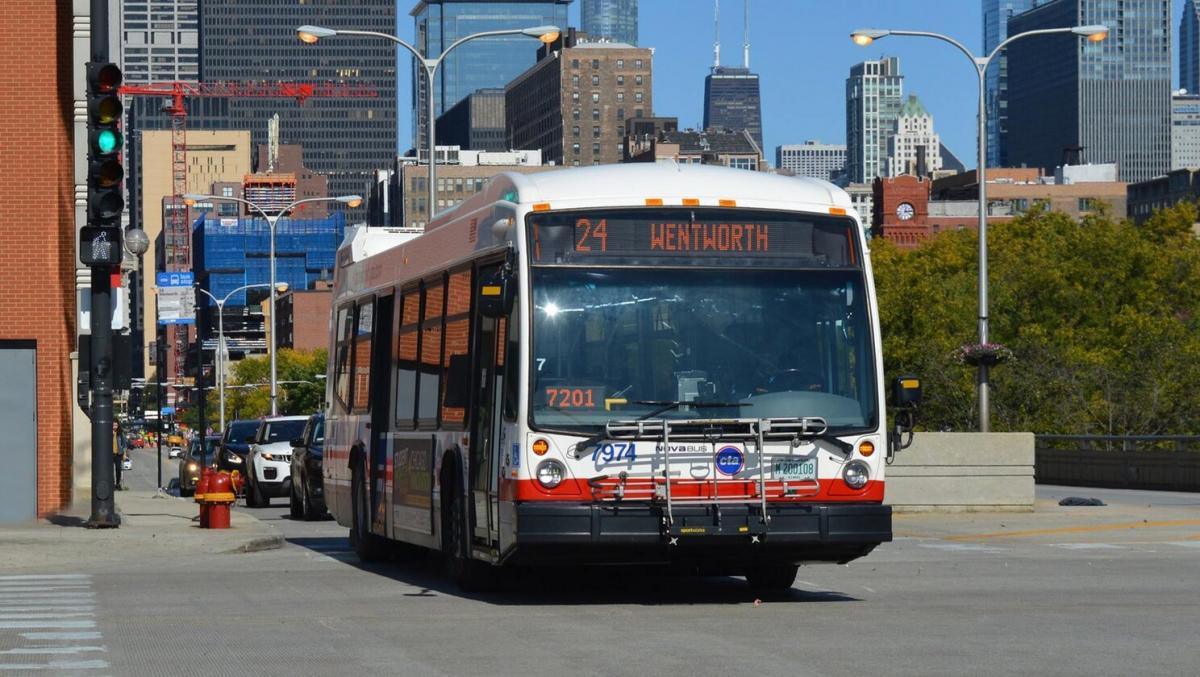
<point>37,239</point>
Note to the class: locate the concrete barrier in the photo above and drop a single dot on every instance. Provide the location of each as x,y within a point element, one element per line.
<point>959,472</point>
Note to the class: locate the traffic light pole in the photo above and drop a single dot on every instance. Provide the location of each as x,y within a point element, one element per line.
<point>104,514</point>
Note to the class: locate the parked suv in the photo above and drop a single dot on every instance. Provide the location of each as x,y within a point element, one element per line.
<point>234,445</point>
<point>269,462</point>
<point>308,495</point>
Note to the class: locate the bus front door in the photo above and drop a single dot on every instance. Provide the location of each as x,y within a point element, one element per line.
<point>380,384</point>
<point>485,425</point>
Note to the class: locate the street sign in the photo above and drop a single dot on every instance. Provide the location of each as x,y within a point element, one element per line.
<point>168,411</point>
<point>175,298</point>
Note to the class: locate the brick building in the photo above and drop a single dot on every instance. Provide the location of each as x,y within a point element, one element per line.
<point>37,259</point>
<point>303,322</point>
<point>573,103</point>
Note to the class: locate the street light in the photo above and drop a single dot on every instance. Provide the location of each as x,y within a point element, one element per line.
<point>349,200</point>
<point>221,351</point>
<point>1094,33</point>
<point>311,34</point>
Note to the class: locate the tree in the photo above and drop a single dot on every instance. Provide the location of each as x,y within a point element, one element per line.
<point>1100,314</point>
<point>248,395</point>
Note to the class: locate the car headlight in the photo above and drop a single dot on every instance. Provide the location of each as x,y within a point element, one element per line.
<point>856,474</point>
<point>268,456</point>
<point>232,457</point>
<point>550,473</point>
<point>193,467</point>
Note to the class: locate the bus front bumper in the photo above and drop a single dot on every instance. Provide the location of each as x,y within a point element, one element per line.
<point>637,532</point>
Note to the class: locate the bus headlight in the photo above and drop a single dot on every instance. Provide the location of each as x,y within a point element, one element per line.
<point>550,473</point>
<point>856,474</point>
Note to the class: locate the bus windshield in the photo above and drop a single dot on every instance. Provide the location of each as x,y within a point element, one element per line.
<point>619,342</point>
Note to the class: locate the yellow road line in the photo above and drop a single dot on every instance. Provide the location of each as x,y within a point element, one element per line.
<point>1076,530</point>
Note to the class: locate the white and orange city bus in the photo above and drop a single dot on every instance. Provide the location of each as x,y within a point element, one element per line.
<point>640,363</point>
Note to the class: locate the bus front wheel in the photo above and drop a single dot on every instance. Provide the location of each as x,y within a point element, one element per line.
<point>772,576</point>
<point>471,575</point>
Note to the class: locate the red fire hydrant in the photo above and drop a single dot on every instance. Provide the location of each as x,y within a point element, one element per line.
<point>202,487</point>
<point>219,497</point>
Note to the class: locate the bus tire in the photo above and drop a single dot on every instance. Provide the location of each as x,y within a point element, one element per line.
<point>368,546</point>
<point>772,576</point>
<point>469,574</point>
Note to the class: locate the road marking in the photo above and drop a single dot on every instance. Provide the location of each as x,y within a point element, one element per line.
<point>52,650</point>
<point>59,614</point>
<point>964,547</point>
<point>1076,530</point>
<point>13,625</point>
<point>1185,544</point>
<point>44,577</point>
<point>1087,546</point>
<point>9,609</point>
<point>57,665</point>
<point>59,636</point>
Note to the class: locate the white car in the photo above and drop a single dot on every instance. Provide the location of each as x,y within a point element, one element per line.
<point>269,461</point>
<point>175,452</point>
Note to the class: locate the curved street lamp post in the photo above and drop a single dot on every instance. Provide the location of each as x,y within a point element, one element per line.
<point>311,34</point>
<point>864,37</point>
<point>348,200</point>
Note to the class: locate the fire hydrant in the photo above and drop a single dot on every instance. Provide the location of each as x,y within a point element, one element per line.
<point>219,497</point>
<point>202,488</point>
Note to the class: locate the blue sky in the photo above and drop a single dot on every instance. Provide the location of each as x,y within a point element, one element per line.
<point>802,53</point>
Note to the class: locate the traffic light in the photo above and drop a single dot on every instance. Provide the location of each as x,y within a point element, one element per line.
<point>105,173</point>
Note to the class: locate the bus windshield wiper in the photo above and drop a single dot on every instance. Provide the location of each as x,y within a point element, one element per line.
<point>667,405</point>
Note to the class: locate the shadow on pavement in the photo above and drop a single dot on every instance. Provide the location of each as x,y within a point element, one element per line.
<point>584,585</point>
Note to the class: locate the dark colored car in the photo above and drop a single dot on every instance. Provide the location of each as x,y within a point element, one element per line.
<point>234,446</point>
<point>308,489</point>
<point>191,462</point>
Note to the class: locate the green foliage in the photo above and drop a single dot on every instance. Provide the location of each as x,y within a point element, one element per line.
<point>305,394</point>
<point>1100,314</point>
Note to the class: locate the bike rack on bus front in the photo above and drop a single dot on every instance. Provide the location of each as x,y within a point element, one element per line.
<point>758,430</point>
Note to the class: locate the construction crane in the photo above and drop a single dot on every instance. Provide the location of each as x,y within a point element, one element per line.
<point>178,242</point>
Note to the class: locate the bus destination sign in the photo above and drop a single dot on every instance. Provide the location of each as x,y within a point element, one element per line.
<point>671,234</point>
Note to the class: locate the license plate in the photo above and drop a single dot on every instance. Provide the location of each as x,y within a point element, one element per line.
<point>796,469</point>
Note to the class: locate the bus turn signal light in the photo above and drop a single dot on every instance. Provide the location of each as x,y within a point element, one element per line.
<point>866,448</point>
<point>540,447</point>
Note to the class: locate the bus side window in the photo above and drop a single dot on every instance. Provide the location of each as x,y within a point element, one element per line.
<point>429,382</point>
<point>406,358</point>
<point>364,322</point>
<point>458,342</point>
<point>341,386</point>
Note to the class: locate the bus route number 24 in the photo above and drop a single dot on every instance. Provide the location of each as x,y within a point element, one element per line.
<point>588,235</point>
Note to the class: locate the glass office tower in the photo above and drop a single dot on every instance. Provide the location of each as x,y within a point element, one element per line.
<point>483,63</point>
<point>1189,47</point>
<point>1070,99</point>
<point>996,14</point>
<point>873,100</point>
<point>615,20</point>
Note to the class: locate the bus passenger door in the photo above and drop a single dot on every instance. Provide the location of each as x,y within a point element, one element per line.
<point>381,390</point>
<point>485,424</point>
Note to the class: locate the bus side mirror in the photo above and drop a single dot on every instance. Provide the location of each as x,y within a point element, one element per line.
<point>906,397</point>
<point>497,293</point>
<point>458,382</point>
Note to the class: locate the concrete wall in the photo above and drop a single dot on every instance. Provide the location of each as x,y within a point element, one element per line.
<point>963,472</point>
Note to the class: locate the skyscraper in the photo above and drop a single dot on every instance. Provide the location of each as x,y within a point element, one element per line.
<point>479,64</point>
<point>615,20</point>
<point>1189,47</point>
<point>731,94</point>
<point>812,158</point>
<point>873,99</point>
<point>914,148</point>
<point>160,41</point>
<point>1107,101</point>
<point>996,14</point>
<point>346,139</point>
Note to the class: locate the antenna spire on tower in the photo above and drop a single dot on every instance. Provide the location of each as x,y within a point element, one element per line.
<point>746,35</point>
<point>717,33</point>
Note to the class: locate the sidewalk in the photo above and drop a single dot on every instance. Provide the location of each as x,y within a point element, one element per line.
<point>152,525</point>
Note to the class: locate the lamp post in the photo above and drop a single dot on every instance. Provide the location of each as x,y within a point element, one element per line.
<point>1094,33</point>
<point>311,34</point>
<point>220,361</point>
<point>349,200</point>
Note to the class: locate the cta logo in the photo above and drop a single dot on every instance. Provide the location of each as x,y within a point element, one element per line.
<point>729,460</point>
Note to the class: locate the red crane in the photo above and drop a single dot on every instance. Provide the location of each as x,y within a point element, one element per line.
<point>178,242</point>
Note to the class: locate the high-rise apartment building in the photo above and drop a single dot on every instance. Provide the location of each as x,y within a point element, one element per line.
<point>873,100</point>
<point>481,63</point>
<point>732,101</point>
<point>160,40</point>
<point>1071,99</point>
<point>573,103</point>
<point>1185,131</point>
<point>996,14</point>
<point>344,138</point>
<point>1189,47</point>
<point>914,148</point>
<point>615,20</point>
<point>812,158</point>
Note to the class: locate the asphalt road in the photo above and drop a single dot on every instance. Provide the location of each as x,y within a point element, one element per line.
<point>1091,604</point>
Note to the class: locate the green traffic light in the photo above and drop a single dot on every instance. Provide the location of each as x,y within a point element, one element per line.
<point>107,140</point>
